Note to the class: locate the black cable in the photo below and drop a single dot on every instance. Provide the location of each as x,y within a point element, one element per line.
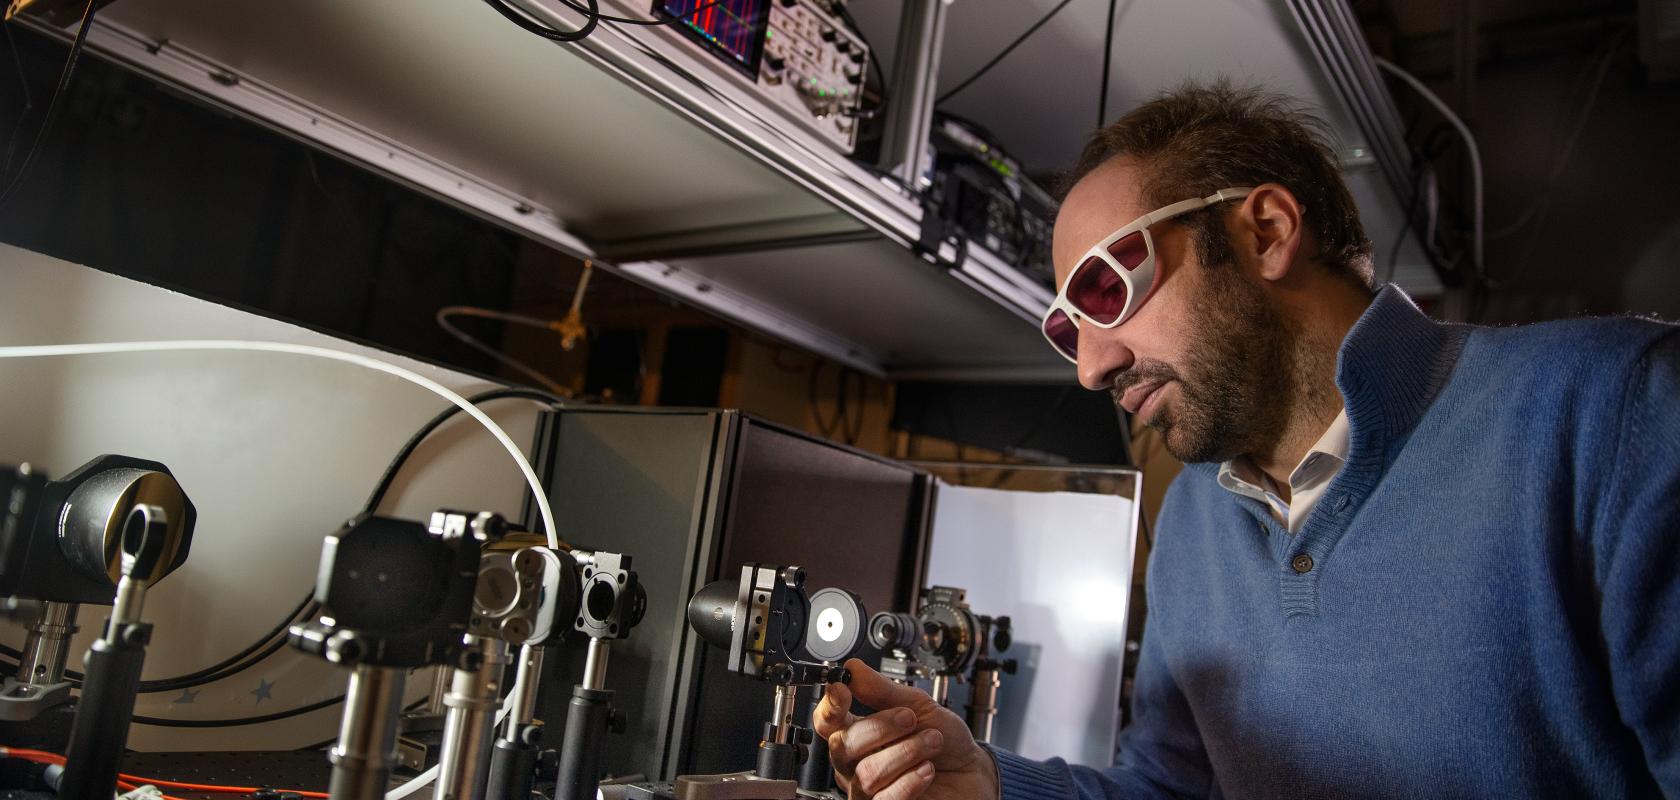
<point>52,105</point>
<point>517,17</point>
<point>1108,60</point>
<point>236,721</point>
<point>824,427</point>
<point>227,667</point>
<point>390,476</point>
<point>271,642</point>
<point>28,100</point>
<point>269,647</point>
<point>1000,56</point>
<point>573,4</point>
<point>235,663</point>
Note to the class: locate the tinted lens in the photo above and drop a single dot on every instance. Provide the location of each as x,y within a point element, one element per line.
<point>1131,250</point>
<point>1062,333</point>
<point>1097,291</point>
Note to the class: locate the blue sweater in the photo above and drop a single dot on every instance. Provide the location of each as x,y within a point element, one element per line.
<point>1490,600</point>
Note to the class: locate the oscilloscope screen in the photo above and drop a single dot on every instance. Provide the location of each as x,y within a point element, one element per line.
<point>733,30</point>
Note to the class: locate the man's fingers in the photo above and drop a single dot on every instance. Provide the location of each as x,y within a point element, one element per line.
<point>834,712</point>
<point>879,772</point>
<point>857,741</point>
<point>909,785</point>
<point>874,689</point>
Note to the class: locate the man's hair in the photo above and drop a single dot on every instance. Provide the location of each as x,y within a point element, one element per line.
<point>1198,139</point>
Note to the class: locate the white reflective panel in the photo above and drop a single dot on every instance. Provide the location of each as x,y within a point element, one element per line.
<point>1060,565</point>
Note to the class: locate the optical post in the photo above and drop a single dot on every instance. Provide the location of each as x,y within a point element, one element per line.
<point>395,595</point>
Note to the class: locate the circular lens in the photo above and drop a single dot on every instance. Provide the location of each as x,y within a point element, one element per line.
<point>498,589</point>
<point>601,599</point>
<point>830,625</point>
<point>837,625</point>
<point>890,630</point>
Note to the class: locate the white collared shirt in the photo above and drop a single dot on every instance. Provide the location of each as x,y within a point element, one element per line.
<point>1306,484</point>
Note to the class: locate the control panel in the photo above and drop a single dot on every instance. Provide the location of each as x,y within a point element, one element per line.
<point>798,55</point>
<point>814,64</point>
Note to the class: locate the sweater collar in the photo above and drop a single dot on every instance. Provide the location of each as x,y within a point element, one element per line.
<point>1389,369</point>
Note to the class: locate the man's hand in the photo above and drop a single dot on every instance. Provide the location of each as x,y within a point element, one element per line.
<point>910,747</point>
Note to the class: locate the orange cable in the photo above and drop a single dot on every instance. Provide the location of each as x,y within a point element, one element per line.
<point>131,781</point>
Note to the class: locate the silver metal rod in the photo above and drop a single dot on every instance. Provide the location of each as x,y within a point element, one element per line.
<point>921,38</point>
<point>131,602</point>
<point>367,735</point>
<point>47,647</point>
<point>982,704</point>
<point>941,690</point>
<point>595,664</point>
<point>782,713</point>
<point>469,724</point>
<point>524,691</point>
<point>433,707</point>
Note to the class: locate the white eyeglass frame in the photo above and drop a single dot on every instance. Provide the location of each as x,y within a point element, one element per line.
<point>1145,272</point>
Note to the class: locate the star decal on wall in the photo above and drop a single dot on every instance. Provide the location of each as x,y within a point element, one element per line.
<point>264,690</point>
<point>187,696</point>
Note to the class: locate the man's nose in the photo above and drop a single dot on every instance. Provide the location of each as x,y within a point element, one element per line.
<point>1102,356</point>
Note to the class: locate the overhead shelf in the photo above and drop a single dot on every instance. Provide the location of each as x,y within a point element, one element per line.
<point>609,149</point>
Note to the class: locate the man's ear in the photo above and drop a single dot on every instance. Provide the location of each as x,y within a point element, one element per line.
<point>1268,225</point>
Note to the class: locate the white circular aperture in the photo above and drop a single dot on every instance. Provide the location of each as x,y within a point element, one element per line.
<point>831,624</point>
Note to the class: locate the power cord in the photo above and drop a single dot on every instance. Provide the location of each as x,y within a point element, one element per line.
<point>53,104</point>
<point>1478,266</point>
<point>592,20</point>
<point>28,101</point>
<point>1108,60</point>
<point>1002,54</point>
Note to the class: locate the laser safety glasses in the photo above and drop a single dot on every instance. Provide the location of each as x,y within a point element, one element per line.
<point>1114,278</point>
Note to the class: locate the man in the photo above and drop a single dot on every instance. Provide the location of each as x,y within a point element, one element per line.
<point>1406,559</point>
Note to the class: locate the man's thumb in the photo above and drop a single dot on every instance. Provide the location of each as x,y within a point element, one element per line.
<point>874,689</point>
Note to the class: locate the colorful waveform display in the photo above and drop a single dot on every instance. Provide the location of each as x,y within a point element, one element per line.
<point>734,28</point>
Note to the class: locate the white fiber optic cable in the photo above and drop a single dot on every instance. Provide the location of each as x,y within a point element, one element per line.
<point>537,490</point>
<point>1470,145</point>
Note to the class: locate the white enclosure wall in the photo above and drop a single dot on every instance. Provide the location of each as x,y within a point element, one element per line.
<point>1059,564</point>
<point>275,450</point>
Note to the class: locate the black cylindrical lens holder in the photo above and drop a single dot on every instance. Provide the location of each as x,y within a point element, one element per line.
<point>100,733</point>
<point>580,751</point>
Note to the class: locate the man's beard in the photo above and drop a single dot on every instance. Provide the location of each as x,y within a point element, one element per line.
<point>1235,391</point>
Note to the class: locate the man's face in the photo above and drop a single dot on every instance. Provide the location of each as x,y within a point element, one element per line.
<point>1207,360</point>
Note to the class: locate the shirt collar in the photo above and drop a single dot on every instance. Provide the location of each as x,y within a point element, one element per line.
<point>1389,369</point>
<point>1327,455</point>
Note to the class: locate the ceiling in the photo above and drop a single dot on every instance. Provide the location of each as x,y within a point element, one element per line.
<point>1042,100</point>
